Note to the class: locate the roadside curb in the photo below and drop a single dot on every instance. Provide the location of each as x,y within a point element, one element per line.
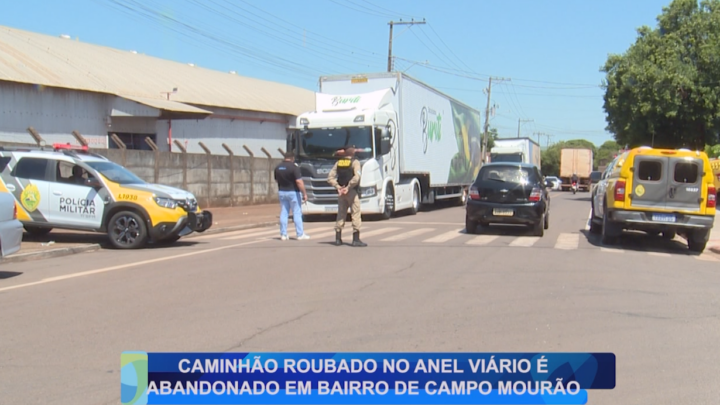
<point>715,249</point>
<point>47,254</point>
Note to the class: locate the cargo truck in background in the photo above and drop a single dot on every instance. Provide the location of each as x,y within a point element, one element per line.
<point>578,161</point>
<point>416,145</point>
<point>521,150</point>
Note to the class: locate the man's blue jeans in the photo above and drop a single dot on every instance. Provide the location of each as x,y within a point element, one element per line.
<point>290,200</point>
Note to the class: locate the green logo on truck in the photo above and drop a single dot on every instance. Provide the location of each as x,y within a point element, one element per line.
<point>345,100</point>
<point>435,129</point>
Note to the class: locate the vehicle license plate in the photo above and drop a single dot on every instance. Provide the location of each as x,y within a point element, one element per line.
<point>332,208</point>
<point>502,212</point>
<point>663,218</point>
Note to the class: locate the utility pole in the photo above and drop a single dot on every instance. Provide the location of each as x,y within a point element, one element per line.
<point>539,134</point>
<point>169,135</point>
<point>521,120</point>
<point>486,130</point>
<point>391,23</point>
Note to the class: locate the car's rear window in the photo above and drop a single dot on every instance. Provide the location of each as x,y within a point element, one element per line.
<point>686,173</point>
<point>508,174</point>
<point>595,175</point>
<point>650,170</point>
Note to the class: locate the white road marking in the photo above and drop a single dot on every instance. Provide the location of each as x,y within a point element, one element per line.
<point>128,265</point>
<point>481,240</point>
<point>319,235</point>
<point>377,232</point>
<point>524,241</point>
<point>444,237</point>
<point>408,235</point>
<point>608,250</point>
<point>233,233</point>
<point>567,241</point>
<point>254,234</point>
<point>429,223</point>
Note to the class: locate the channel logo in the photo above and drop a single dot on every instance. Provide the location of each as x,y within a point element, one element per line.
<point>133,378</point>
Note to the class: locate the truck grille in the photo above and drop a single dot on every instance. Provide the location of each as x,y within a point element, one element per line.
<point>320,191</point>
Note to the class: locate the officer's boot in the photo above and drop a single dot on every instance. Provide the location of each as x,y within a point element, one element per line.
<point>356,240</point>
<point>338,238</point>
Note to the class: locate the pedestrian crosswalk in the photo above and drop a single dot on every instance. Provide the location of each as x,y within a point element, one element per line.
<point>445,235</point>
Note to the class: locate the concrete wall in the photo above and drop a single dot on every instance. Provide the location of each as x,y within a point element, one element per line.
<point>235,181</point>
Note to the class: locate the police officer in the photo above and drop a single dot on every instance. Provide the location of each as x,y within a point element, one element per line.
<point>345,177</point>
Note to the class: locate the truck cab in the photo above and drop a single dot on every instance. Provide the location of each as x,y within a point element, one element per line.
<point>367,121</point>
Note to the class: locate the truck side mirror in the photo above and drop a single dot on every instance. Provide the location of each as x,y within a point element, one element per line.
<point>385,145</point>
<point>290,142</point>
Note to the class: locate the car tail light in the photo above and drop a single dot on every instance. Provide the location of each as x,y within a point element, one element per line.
<point>474,193</point>
<point>620,191</point>
<point>14,211</point>
<point>535,194</point>
<point>712,197</point>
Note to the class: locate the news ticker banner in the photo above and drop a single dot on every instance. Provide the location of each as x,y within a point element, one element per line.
<point>364,378</point>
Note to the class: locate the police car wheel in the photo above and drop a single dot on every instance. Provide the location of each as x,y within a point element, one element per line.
<point>127,230</point>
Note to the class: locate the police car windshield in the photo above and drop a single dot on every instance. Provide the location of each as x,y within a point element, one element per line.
<point>116,173</point>
<point>325,142</point>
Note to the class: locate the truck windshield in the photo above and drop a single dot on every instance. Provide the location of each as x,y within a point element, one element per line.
<point>506,157</point>
<point>325,142</point>
<point>116,173</point>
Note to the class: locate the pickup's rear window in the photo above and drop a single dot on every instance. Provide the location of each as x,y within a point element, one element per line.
<point>508,174</point>
<point>686,173</point>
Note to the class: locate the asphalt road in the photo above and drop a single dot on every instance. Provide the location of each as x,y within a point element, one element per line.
<point>421,285</point>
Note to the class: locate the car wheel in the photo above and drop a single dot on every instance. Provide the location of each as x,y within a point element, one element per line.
<point>470,226</point>
<point>389,207</point>
<point>594,226</point>
<point>37,230</point>
<point>697,241</point>
<point>127,230</point>
<point>539,228</point>
<point>609,231</point>
<point>546,223</point>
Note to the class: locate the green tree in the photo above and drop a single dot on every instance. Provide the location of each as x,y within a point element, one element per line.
<point>493,136</point>
<point>605,154</point>
<point>664,89</point>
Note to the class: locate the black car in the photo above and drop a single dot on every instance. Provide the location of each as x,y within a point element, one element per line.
<point>509,193</point>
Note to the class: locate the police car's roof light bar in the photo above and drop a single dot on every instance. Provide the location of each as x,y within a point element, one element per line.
<point>58,146</point>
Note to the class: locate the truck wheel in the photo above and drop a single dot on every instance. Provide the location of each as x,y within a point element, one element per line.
<point>389,208</point>
<point>415,200</point>
<point>462,200</point>
<point>37,230</point>
<point>127,230</point>
<point>669,235</point>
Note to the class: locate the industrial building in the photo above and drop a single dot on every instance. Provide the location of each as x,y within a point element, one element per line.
<point>58,85</point>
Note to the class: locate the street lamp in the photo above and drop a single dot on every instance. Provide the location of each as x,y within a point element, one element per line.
<point>168,93</point>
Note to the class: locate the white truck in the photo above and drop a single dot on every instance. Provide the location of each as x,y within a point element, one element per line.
<point>416,145</point>
<point>521,150</point>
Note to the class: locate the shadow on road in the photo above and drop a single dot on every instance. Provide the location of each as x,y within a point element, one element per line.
<point>503,230</point>
<point>8,274</point>
<point>377,218</point>
<point>642,242</point>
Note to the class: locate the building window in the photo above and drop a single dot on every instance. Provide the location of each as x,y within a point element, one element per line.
<point>133,141</point>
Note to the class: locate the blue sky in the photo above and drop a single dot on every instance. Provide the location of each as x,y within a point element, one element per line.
<point>551,50</point>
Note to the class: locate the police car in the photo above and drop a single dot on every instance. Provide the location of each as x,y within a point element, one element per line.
<point>70,188</point>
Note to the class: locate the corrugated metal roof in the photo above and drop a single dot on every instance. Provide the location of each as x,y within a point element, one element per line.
<point>32,58</point>
<point>167,105</point>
